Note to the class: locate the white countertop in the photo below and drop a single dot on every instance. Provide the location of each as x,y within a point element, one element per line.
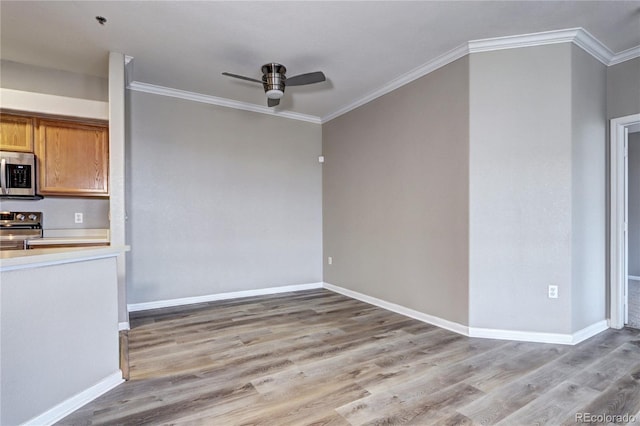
<point>71,236</point>
<point>67,240</point>
<point>25,259</point>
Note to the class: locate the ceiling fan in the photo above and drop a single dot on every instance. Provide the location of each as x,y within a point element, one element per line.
<point>274,81</point>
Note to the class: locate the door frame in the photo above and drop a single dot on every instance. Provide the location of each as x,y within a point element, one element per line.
<point>618,235</point>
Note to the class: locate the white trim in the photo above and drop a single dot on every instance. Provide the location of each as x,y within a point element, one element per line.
<point>593,46</point>
<point>133,307</point>
<point>589,331</point>
<point>70,405</point>
<point>128,70</point>
<point>633,278</point>
<point>535,336</point>
<point>523,336</point>
<point>402,80</point>
<point>487,333</point>
<point>618,241</point>
<point>411,313</point>
<point>625,55</point>
<point>53,104</point>
<point>524,40</point>
<point>578,36</point>
<point>124,326</point>
<point>214,100</point>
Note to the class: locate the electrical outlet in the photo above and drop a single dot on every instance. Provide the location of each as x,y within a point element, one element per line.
<point>553,292</point>
<point>330,260</point>
<point>79,218</point>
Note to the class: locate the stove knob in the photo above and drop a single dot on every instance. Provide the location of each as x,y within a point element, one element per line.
<point>32,217</point>
<point>20,216</point>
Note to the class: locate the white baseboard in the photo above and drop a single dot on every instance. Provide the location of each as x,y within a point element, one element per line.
<point>133,307</point>
<point>123,326</point>
<point>411,313</point>
<point>534,336</point>
<point>487,333</point>
<point>590,331</point>
<point>70,405</point>
<point>523,336</point>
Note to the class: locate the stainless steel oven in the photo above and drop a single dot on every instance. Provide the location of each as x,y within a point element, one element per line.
<point>17,175</point>
<point>16,228</point>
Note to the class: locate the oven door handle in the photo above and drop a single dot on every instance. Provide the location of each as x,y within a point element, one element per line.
<point>3,176</point>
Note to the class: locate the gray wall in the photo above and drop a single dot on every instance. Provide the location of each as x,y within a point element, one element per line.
<point>30,78</point>
<point>634,204</point>
<point>520,191</point>
<point>623,89</point>
<point>395,196</point>
<point>220,200</point>
<point>58,211</point>
<point>537,193</point>
<point>588,205</point>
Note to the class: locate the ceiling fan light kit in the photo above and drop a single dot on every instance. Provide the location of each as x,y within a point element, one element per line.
<point>274,80</point>
<point>275,93</point>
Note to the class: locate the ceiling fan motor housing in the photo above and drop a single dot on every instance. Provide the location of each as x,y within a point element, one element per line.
<point>273,80</point>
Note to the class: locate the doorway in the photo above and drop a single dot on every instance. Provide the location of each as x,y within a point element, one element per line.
<point>633,235</point>
<point>620,279</point>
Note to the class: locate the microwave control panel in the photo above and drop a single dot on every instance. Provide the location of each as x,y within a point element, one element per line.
<point>18,176</point>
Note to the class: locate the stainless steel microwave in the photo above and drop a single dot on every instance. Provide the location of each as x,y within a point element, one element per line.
<point>17,175</point>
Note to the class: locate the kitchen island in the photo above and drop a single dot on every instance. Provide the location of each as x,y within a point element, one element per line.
<point>58,331</point>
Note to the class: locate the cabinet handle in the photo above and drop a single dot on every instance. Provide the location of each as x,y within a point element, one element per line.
<point>3,175</point>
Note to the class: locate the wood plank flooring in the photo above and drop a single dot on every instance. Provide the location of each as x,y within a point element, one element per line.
<point>317,357</point>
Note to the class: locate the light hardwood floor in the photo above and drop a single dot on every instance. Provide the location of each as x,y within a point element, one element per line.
<point>317,357</point>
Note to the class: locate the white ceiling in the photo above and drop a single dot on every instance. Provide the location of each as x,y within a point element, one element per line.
<point>360,46</point>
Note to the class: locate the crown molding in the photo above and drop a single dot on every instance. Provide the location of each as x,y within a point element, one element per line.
<point>214,100</point>
<point>128,69</point>
<point>523,40</point>
<point>579,36</point>
<point>625,55</point>
<point>404,79</point>
<point>593,46</point>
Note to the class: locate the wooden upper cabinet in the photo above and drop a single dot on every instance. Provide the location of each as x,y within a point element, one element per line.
<point>73,158</point>
<point>16,133</point>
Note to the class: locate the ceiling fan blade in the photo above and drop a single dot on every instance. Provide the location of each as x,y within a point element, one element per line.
<point>241,77</point>
<point>302,79</point>
<point>272,102</point>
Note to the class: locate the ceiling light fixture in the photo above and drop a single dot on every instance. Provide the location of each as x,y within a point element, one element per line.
<point>275,94</point>
<point>274,81</point>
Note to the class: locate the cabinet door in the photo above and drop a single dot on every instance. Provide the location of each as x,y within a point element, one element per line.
<point>73,158</point>
<point>16,133</point>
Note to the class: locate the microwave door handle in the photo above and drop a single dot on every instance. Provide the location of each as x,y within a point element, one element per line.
<point>3,175</point>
